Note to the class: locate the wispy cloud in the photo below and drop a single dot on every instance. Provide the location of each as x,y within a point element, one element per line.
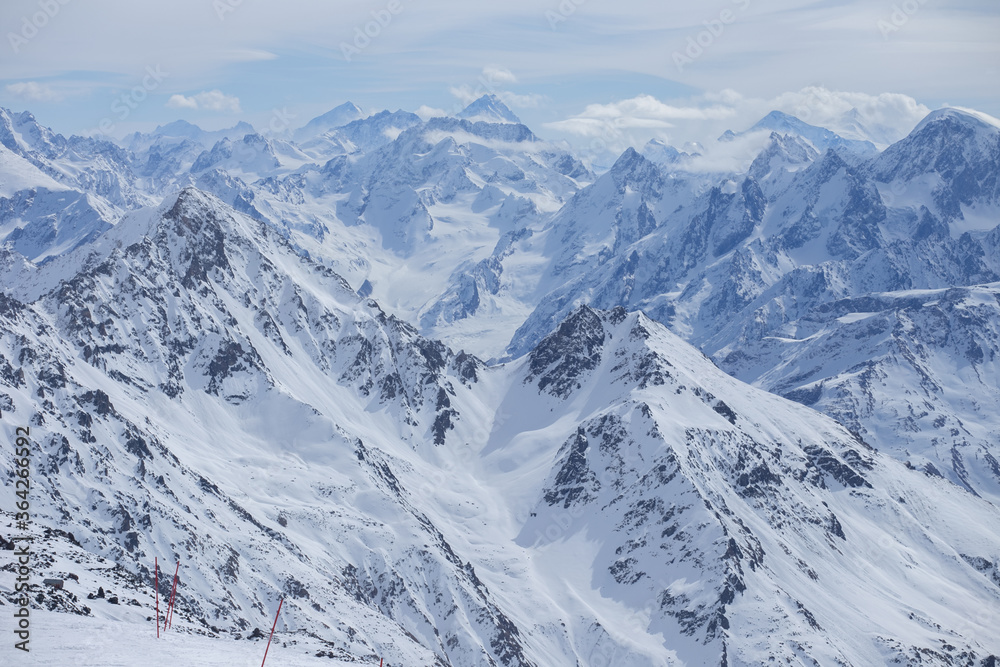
<point>425,112</point>
<point>499,75</point>
<point>209,100</point>
<point>636,120</point>
<point>647,111</point>
<point>492,81</point>
<point>32,91</point>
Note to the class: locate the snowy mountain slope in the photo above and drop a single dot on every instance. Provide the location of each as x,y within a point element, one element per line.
<point>632,236</point>
<point>199,390</point>
<point>41,217</point>
<point>754,257</point>
<point>948,164</point>
<point>425,220</point>
<point>919,363</point>
<point>396,199</point>
<point>505,513</point>
<point>40,223</point>
<point>251,158</point>
<point>820,138</point>
<point>367,134</point>
<point>475,231</point>
<point>94,642</point>
<point>735,542</point>
<point>200,448</point>
<point>337,117</point>
<point>18,173</point>
<point>96,166</point>
<point>56,193</point>
<point>666,155</point>
<point>165,156</point>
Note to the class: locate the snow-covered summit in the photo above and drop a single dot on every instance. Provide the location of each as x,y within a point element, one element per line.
<point>337,117</point>
<point>489,108</point>
<point>821,138</point>
<point>958,114</point>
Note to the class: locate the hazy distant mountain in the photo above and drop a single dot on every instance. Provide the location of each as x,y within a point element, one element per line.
<point>337,117</point>
<point>820,138</point>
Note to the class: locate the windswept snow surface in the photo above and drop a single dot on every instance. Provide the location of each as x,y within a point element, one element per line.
<point>128,640</point>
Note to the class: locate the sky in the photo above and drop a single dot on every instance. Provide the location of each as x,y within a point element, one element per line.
<point>596,73</point>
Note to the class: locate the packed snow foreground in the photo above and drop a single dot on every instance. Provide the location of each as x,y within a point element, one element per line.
<point>222,350</point>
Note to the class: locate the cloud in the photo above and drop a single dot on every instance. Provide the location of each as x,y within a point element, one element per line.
<point>633,121</point>
<point>646,108</point>
<point>531,101</point>
<point>491,81</point>
<point>884,118</point>
<point>181,102</point>
<point>888,117</point>
<point>466,94</point>
<point>943,53</point>
<point>728,156</point>
<point>209,100</point>
<point>33,91</point>
<point>499,75</point>
<point>425,112</point>
<point>604,131</point>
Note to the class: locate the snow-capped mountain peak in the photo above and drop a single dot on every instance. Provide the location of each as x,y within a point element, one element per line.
<point>960,115</point>
<point>821,138</point>
<point>337,117</point>
<point>489,108</point>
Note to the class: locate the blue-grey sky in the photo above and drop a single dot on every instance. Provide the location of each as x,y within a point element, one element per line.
<point>588,70</point>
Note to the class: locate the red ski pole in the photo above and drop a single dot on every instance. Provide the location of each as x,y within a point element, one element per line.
<point>157,586</point>
<point>169,620</point>
<point>280,602</point>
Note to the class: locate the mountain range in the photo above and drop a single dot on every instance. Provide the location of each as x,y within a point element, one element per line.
<point>457,399</point>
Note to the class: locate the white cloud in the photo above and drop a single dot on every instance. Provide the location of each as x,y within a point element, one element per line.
<point>885,118</point>
<point>639,111</point>
<point>632,122</point>
<point>181,102</point>
<point>532,101</point>
<point>604,131</point>
<point>729,156</point>
<point>491,81</point>
<point>497,75</point>
<point>425,112</point>
<point>466,94</point>
<point>209,100</point>
<point>888,117</point>
<point>33,91</point>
